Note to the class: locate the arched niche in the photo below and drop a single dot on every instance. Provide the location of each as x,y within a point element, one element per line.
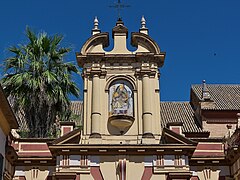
<point>120,103</point>
<point>120,98</point>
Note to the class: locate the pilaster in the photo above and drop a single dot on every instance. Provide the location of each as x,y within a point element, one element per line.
<point>146,106</point>
<point>95,115</point>
<point>94,73</point>
<point>146,72</point>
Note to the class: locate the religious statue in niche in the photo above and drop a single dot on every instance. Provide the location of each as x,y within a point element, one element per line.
<point>120,99</point>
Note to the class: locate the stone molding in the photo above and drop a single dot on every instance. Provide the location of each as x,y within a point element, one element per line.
<point>128,78</point>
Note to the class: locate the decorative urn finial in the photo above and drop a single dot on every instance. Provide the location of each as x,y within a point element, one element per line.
<point>95,30</point>
<point>143,28</point>
<point>143,22</point>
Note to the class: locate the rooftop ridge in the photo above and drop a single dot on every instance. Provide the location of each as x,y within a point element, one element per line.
<point>216,85</point>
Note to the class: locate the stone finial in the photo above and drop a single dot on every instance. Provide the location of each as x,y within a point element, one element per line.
<point>143,28</point>
<point>205,92</point>
<point>120,22</point>
<point>143,22</point>
<point>95,23</point>
<point>95,30</point>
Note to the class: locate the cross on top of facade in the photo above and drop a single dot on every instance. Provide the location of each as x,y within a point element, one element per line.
<point>119,6</point>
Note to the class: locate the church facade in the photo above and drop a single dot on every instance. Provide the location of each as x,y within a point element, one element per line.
<point>128,133</point>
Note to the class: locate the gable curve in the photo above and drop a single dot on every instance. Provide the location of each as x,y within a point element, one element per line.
<point>144,43</point>
<point>95,43</point>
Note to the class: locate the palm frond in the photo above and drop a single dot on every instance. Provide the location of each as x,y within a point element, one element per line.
<point>39,81</point>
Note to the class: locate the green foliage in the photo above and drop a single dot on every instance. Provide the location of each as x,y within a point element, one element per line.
<point>38,81</point>
<point>23,134</point>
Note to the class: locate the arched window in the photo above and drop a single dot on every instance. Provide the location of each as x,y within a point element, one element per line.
<point>121,98</point>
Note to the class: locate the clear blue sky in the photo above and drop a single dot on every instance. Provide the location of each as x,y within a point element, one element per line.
<point>201,37</point>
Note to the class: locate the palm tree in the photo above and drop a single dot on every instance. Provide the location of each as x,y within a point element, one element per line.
<point>39,82</point>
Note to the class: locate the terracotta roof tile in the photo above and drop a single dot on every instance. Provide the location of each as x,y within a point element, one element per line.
<point>179,112</point>
<point>77,107</point>
<point>170,112</point>
<point>226,97</point>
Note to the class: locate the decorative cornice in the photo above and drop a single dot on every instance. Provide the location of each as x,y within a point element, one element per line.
<point>140,149</point>
<point>94,70</point>
<point>99,60</point>
<point>146,70</point>
<point>151,57</point>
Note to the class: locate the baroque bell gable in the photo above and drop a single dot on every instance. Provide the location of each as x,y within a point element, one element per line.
<point>121,86</point>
